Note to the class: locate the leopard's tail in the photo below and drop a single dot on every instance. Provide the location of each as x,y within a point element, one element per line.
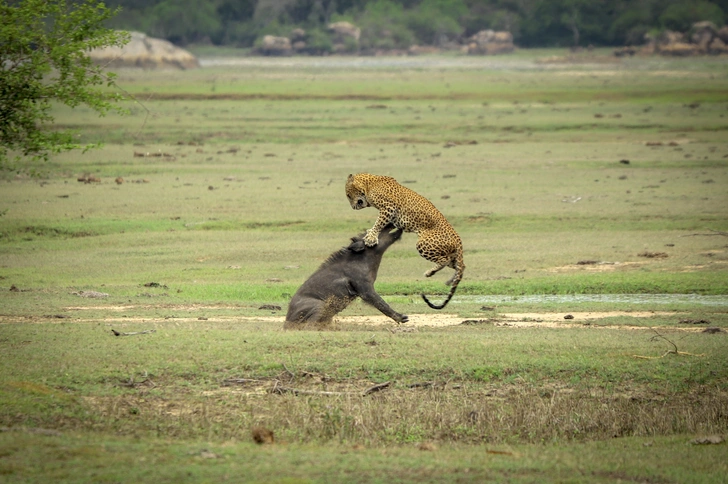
<point>459,270</point>
<point>444,303</point>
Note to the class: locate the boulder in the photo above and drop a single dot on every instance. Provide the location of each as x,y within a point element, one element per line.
<point>723,33</point>
<point>488,42</point>
<point>717,46</point>
<point>146,53</point>
<point>298,40</point>
<point>275,46</point>
<point>342,30</point>
<point>702,34</point>
<point>663,38</point>
<point>503,38</point>
<point>703,38</point>
<point>298,35</point>
<point>680,49</point>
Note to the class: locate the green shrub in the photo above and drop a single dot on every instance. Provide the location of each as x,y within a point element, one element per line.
<point>318,42</point>
<point>431,28</point>
<point>681,16</point>
<point>631,26</point>
<point>436,21</point>
<point>384,26</point>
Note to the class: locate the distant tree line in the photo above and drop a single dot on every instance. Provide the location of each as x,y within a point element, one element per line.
<point>391,24</point>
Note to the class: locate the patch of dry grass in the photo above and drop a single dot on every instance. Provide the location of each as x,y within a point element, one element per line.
<point>322,410</point>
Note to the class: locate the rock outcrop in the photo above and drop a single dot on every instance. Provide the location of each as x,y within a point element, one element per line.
<point>146,53</point>
<point>703,38</point>
<point>275,46</point>
<point>488,42</point>
<point>342,30</point>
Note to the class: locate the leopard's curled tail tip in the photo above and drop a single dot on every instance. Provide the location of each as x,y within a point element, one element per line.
<point>439,306</point>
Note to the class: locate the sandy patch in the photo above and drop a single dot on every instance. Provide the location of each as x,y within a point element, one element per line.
<point>600,266</point>
<point>515,320</point>
<point>584,316</point>
<point>524,320</point>
<point>171,307</point>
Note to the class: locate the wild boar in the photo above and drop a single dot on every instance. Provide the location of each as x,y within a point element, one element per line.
<point>347,274</point>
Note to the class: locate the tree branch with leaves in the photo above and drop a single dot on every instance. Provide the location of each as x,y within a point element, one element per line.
<point>44,59</point>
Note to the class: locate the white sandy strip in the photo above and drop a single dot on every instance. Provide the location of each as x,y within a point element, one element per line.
<point>525,320</point>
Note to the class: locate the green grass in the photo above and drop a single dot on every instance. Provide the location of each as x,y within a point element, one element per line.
<point>80,458</point>
<point>461,353</point>
<point>518,216</point>
<point>175,397</point>
<point>233,195</point>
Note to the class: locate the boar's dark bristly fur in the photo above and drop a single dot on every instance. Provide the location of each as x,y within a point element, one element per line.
<point>347,274</point>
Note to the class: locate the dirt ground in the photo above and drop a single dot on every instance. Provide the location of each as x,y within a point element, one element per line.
<point>515,320</point>
<point>551,320</point>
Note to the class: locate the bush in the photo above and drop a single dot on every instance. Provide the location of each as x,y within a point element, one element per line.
<point>44,59</point>
<point>351,45</point>
<point>431,28</point>
<point>436,21</point>
<point>185,21</point>
<point>681,16</point>
<point>318,42</point>
<point>241,34</point>
<point>630,27</point>
<point>384,26</point>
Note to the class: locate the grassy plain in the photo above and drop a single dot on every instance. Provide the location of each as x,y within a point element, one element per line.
<point>596,176</point>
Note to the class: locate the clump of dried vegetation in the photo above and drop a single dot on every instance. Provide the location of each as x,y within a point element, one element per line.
<point>312,408</point>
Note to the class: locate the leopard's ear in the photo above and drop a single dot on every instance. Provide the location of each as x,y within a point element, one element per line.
<point>350,177</point>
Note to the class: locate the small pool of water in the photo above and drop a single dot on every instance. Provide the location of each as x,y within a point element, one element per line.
<point>720,300</point>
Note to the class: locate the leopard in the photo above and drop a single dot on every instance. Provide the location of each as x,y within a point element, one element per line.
<point>437,240</point>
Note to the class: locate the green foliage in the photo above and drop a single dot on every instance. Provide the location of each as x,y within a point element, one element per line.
<point>584,19</point>
<point>436,22</point>
<point>236,22</point>
<point>44,59</point>
<point>504,19</point>
<point>631,25</point>
<point>318,42</point>
<point>184,21</point>
<point>680,16</point>
<point>399,23</point>
<point>384,26</point>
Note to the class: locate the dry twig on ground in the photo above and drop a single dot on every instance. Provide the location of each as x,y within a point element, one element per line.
<point>715,232</point>
<point>279,389</point>
<point>117,333</point>
<point>673,351</point>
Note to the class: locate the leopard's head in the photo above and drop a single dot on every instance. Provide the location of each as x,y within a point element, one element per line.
<point>355,194</point>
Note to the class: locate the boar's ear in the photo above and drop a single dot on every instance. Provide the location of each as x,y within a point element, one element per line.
<point>357,245</point>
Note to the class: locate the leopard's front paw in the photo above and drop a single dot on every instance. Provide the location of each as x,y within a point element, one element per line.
<point>370,239</point>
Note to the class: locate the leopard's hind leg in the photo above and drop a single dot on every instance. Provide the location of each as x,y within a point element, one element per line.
<point>456,263</point>
<point>435,270</point>
<point>433,255</point>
